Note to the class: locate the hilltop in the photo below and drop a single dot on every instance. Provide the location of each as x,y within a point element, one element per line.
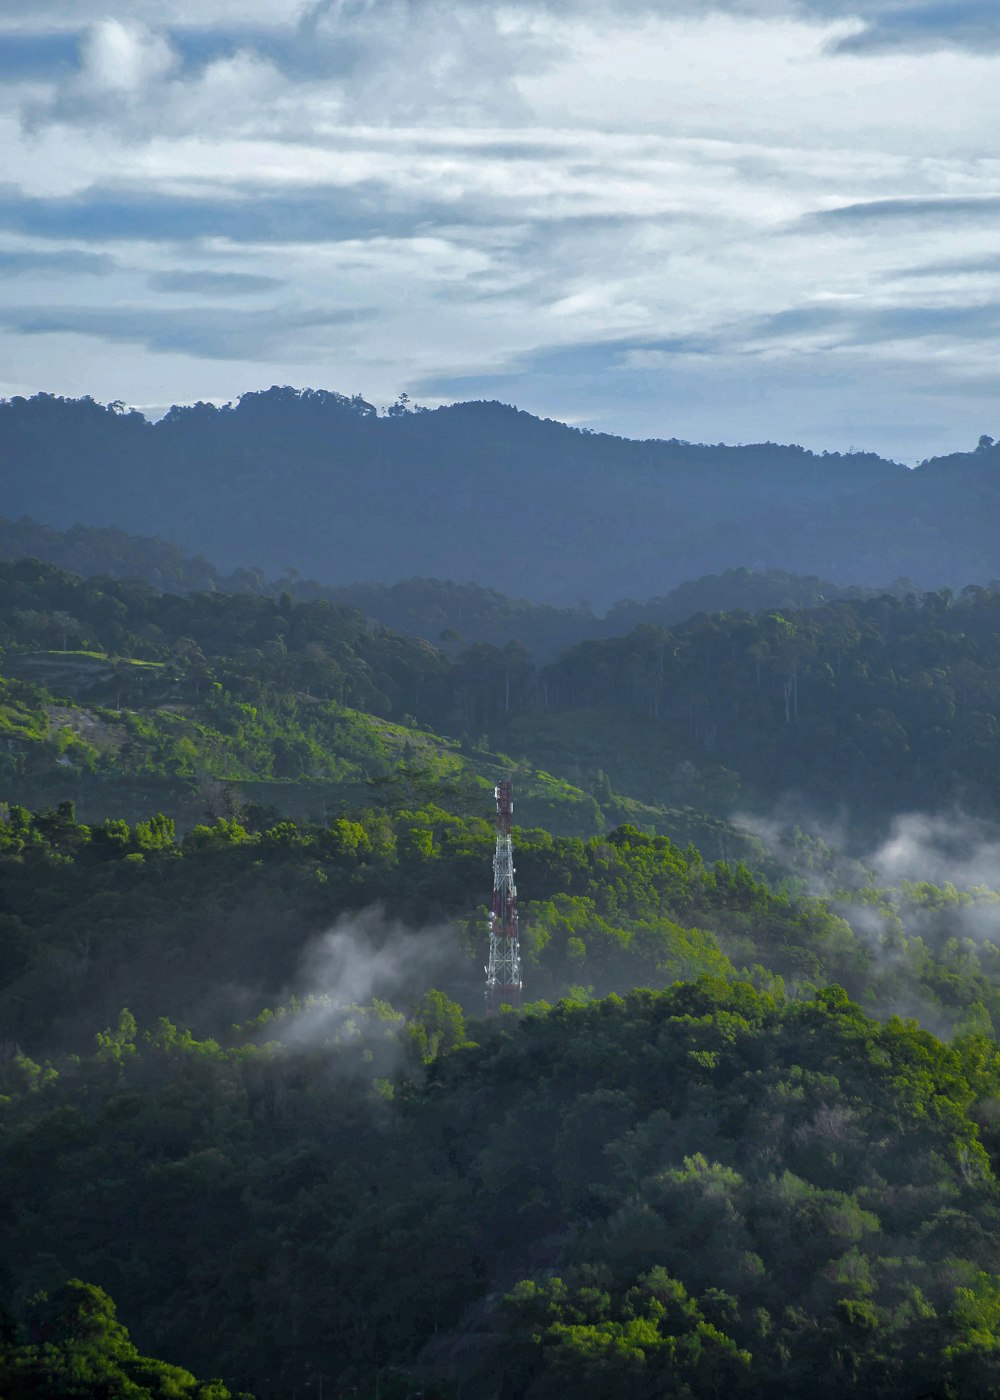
<point>320,483</point>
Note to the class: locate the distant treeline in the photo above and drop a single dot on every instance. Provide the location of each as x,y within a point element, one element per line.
<point>440,611</point>
<point>479,492</point>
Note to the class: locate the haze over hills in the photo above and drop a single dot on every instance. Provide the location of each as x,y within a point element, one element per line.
<point>480,492</point>
<point>438,610</point>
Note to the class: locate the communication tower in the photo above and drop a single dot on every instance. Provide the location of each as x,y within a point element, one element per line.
<point>503,972</point>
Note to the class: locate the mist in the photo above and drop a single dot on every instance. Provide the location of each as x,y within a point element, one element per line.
<point>352,975</point>
<point>824,854</point>
<point>929,884</point>
<point>940,848</point>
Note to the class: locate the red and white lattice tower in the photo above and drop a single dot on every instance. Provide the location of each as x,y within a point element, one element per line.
<point>503,972</point>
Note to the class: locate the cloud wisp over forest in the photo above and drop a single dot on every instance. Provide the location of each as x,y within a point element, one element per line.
<point>737,220</point>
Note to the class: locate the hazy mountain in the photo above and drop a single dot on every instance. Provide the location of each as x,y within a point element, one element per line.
<point>90,550</point>
<point>426,607</point>
<point>483,493</point>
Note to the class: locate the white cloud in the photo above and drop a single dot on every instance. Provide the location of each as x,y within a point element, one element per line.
<point>32,15</point>
<point>501,184</point>
<point>123,58</point>
<point>121,63</point>
<point>131,83</point>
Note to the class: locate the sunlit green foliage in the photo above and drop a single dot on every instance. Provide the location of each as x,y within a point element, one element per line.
<point>77,1347</point>
<point>705,1191</point>
<point>877,703</point>
<point>96,916</point>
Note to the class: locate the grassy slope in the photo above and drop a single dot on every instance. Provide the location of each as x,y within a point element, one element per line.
<point>62,735</point>
<point>114,762</point>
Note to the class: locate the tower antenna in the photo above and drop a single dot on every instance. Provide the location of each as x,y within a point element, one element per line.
<point>503,972</point>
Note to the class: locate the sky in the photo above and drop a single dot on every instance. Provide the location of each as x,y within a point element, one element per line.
<point>718,220</point>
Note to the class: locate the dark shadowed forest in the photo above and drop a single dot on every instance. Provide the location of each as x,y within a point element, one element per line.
<point>314,480</point>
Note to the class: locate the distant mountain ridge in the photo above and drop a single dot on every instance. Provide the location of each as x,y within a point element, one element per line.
<point>484,493</point>
<point>436,609</point>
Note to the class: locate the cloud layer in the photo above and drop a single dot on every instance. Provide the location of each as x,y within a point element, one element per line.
<point>757,218</point>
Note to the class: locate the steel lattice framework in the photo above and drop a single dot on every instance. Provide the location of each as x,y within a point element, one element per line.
<point>503,973</point>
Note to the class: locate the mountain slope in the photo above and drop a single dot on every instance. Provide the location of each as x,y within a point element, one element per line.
<point>703,1192</point>
<point>872,706</point>
<point>477,492</point>
<point>424,607</point>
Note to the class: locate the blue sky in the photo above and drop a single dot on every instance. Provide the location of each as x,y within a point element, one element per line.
<point>715,221</point>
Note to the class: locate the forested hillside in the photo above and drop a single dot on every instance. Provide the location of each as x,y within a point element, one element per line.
<point>707,1191</point>
<point>883,705</point>
<point>129,700</point>
<point>245,1087</point>
<point>430,608</point>
<point>323,483</point>
<point>873,705</point>
<point>452,614</point>
<point>88,550</point>
<point>90,912</point>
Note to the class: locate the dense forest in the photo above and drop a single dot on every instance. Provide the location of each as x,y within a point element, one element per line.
<point>256,1137</point>
<point>313,479</point>
<point>428,608</point>
<point>735,1184</point>
<point>102,915</point>
<point>876,705</point>
<point>706,1191</point>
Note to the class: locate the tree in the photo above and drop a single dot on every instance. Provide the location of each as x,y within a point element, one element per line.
<point>78,1348</point>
